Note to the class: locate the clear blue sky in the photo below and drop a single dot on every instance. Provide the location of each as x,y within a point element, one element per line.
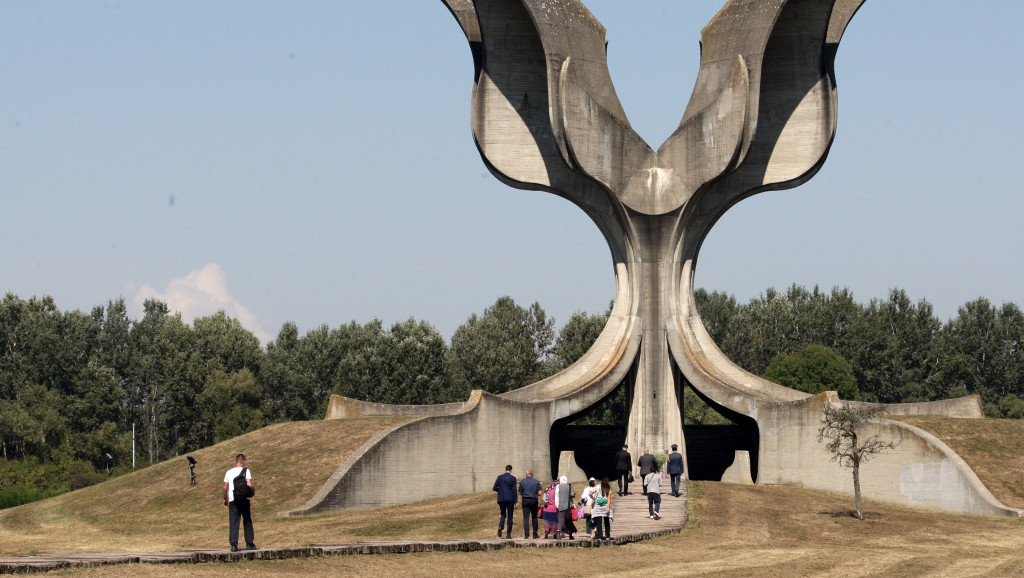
<point>312,161</point>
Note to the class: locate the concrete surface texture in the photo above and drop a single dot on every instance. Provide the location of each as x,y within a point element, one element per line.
<point>545,116</point>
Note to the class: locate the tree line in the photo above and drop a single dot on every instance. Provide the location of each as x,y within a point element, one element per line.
<point>76,387</point>
<point>898,350</point>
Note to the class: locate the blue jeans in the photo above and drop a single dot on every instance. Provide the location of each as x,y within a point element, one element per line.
<point>653,502</point>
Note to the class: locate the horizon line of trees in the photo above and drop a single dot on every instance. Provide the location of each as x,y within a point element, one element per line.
<point>73,384</point>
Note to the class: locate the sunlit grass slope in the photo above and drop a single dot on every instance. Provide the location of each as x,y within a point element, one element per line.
<point>155,508</point>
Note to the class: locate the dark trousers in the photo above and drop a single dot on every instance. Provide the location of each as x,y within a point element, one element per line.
<point>653,503</point>
<point>529,513</point>
<point>675,483</point>
<point>607,527</point>
<point>507,510</point>
<point>238,510</point>
<point>623,481</point>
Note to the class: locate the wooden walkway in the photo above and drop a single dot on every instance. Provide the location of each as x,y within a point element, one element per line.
<point>631,524</point>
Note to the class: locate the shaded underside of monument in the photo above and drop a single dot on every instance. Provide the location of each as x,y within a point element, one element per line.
<point>709,449</point>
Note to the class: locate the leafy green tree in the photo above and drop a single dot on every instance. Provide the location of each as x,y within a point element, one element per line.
<point>93,413</point>
<point>763,328</point>
<point>981,353</point>
<point>163,386</point>
<point>416,354</point>
<point>814,369</point>
<point>717,312</point>
<point>287,390</point>
<point>501,350</point>
<point>577,336</point>
<point>896,356</point>
<point>222,343</point>
<point>318,354</point>
<point>231,403</point>
<point>697,412</point>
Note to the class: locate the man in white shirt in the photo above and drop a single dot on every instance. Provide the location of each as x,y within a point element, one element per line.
<point>238,509</point>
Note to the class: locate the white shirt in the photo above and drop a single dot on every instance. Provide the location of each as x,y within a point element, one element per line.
<point>587,491</point>
<point>229,479</point>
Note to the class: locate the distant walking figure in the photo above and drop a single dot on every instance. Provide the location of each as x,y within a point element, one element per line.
<point>623,465</point>
<point>675,469</point>
<point>646,462</point>
<point>530,489</point>
<point>652,482</point>
<point>505,485</point>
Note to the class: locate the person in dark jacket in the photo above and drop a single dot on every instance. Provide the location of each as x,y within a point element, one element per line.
<point>505,485</point>
<point>529,489</point>
<point>647,464</point>
<point>675,469</point>
<point>623,464</point>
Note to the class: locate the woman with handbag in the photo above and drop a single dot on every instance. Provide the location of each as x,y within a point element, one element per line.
<point>602,511</point>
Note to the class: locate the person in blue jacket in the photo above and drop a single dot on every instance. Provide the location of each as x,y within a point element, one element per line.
<point>675,469</point>
<point>505,485</point>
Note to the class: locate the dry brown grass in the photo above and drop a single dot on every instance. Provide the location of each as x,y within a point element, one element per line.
<point>156,509</point>
<point>733,530</point>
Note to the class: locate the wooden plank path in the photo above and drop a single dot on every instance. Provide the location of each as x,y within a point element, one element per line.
<point>631,524</point>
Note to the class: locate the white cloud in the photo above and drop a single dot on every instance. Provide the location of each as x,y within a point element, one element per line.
<point>202,292</point>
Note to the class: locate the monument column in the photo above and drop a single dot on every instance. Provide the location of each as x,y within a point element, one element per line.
<point>655,419</point>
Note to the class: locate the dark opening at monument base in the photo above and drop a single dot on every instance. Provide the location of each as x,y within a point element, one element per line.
<point>595,435</point>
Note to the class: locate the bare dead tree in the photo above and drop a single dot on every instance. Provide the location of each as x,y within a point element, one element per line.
<point>839,432</point>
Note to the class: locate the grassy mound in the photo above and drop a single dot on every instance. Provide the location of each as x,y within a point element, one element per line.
<point>155,508</point>
<point>992,447</point>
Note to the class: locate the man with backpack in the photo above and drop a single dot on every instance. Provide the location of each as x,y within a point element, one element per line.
<point>238,488</point>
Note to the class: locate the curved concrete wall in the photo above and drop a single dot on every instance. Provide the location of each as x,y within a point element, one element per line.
<point>438,456</point>
<point>921,471</point>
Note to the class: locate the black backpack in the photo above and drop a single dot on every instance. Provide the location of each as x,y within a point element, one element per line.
<point>242,489</point>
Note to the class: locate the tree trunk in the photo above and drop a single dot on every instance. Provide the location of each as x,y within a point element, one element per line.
<point>152,429</point>
<point>856,490</point>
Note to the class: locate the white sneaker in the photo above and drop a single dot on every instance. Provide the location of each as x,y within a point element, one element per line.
<point>651,517</point>
<point>656,516</point>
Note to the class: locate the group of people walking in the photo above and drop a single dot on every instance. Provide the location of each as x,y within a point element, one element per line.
<point>556,508</point>
<point>650,475</point>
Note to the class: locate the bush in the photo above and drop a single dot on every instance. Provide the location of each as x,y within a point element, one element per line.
<point>17,495</point>
<point>814,369</point>
<point>1011,407</point>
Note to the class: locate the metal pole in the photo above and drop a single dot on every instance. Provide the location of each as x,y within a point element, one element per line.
<point>133,445</point>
